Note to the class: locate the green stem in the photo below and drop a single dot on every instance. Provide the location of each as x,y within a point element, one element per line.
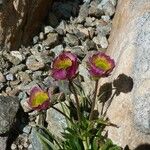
<point>94,100</point>
<point>76,99</point>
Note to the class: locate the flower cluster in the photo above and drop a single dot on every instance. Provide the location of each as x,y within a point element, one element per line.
<point>65,67</point>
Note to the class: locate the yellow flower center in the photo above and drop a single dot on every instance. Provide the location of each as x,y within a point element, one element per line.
<point>39,99</point>
<point>63,64</point>
<point>102,62</point>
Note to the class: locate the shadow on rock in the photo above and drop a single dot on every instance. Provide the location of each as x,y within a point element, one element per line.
<point>145,146</point>
<point>109,90</point>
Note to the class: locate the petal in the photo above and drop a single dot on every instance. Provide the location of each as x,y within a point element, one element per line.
<point>38,97</point>
<point>71,56</point>
<point>59,74</point>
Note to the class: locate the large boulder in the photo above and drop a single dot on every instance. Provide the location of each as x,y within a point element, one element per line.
<point>20,20</point>
<point>130,47</point>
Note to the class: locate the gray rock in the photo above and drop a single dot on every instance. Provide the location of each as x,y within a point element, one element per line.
<point>10,77</point>
<point>18,55</point>
<point>89,45</point>
<point>48,29</point>
<point>22,96</point>
<point>23,77</point>
<point>1,86</point>
<point>41,36</point>
<point>114,2</point>
<point>35,39</point>
<point>90,21</point>
<point>57,50</point>
<point>17,68</point>
<point>83,13</point>
<point>37,75</point>
<point>56,121</point>
<point>33,64</point>
<point>8,110</point>
<point>14,60</point>
<point>103,28</point>
<point>105,18</point>
<point>35,141</point>
<point>3,142</point>
<point>27,129</point>
<point>61,29</point>
<point>78,50</point>
<point>109,8</point>
<point>101,40</point>
<point>2,78</point>
<point>86,1</point>
<point>71,39</point>
<point>79,34</point>
<point>52,40</point>
<point>96,9</point>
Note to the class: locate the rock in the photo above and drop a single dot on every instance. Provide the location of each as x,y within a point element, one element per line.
<point>114,2</point>
<point>57,50</point>
<point>109,9</point>
<point>56,121</point>
<point>23,77</point>
<point>78,50</point>
<point>61,29</point>
<point>17,68</point>
<point>22,21</point>
<point>89,45</point>
<point>103,27</point>
<point>83,13</point>
<point>90,21</point>
<point>37,75</point>
<point>71,39</point>
<point>9,77</point>
<point>129,46</point>
<point>33,64</point>
<point>52,40</point>
<point>48,29</point>
<point>96,9</point>
<point>3,142</point>
<point>2,78</point>
<point>13,59</point>
<point>18,55</point>
<point>105,18</point>
<point>101,40</point>
<point>8,110</point>
<point>35,39</point>
<point>41,36</point>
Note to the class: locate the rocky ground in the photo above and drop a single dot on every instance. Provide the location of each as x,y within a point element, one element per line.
<point>71,25</point>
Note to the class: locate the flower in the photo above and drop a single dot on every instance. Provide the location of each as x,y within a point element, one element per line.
<point>100,65</point>
<point>65,66</point>
<point>39,99</point>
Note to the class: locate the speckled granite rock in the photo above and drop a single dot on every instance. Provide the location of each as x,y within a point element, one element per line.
<point>130,45</point>
<point>8,110</point>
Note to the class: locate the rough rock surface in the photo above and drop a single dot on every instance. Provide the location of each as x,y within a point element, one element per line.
<point>20,20</point>
<point>130,45</point>
<point>8,110</point>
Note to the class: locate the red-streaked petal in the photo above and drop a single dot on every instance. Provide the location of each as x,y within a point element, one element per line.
<point>59,74</point>
<point>38,98</point>
<point>100,65</point>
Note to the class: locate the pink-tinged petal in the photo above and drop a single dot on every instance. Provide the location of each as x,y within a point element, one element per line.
<point>71,56</point>
<point>100,65</point>
<point>65,66</point>
<point>38,99</point>
<point>59,74</point>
